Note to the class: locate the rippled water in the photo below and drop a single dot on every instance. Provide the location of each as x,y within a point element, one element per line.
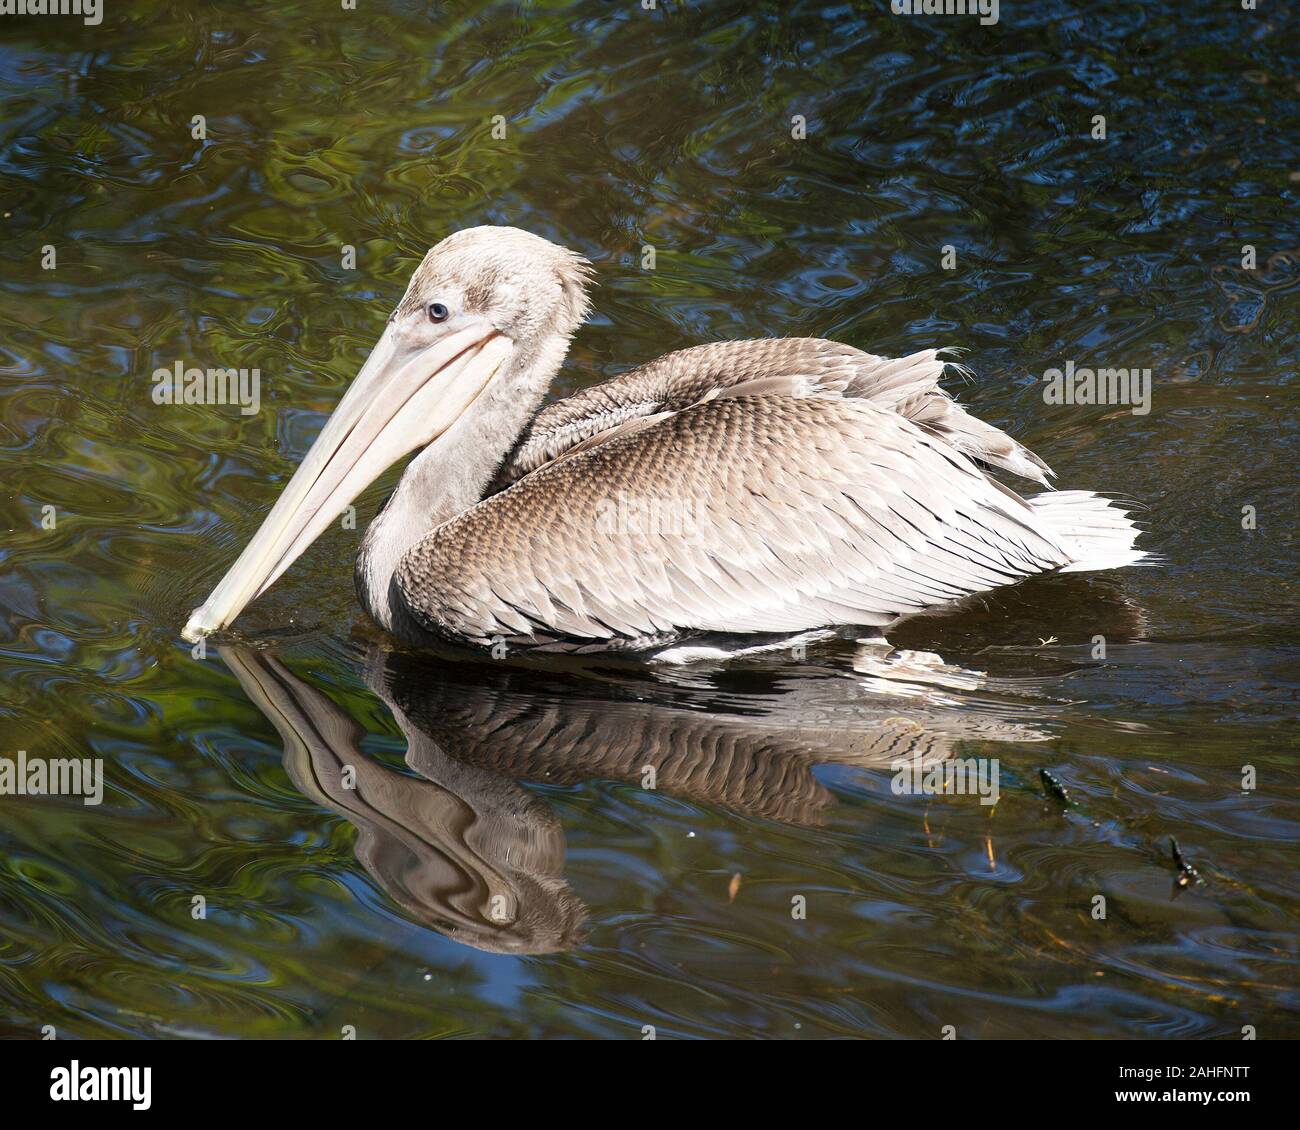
<point>500,870</point>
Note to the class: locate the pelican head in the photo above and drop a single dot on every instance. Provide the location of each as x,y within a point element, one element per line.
<point>489,310</point>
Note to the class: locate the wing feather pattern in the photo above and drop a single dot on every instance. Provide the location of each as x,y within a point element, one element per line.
<point>802,505</point>
<point>907,385</point>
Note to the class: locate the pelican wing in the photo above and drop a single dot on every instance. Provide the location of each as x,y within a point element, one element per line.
<point>908,385</point>
<point>745,513</point>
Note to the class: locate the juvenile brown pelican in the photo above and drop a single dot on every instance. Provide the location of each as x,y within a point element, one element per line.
<point>748,489</point>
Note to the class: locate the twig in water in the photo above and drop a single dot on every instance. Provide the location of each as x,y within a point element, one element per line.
<point>1187,874</point>
<point>1055,787</point>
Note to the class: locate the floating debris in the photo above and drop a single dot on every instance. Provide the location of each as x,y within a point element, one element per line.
<point>1054,787</point>
<point>1187,874</point>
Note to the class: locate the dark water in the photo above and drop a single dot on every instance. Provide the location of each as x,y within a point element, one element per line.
<point>500,870</point>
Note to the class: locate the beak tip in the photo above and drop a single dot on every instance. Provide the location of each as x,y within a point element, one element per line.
<point>195,628</point>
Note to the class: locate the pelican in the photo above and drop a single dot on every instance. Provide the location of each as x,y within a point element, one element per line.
<point>726,495</point>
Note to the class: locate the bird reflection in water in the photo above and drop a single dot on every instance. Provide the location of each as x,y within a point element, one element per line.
<point>462,845</point>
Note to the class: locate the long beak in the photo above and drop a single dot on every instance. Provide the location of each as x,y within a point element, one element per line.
<point>401,400</point>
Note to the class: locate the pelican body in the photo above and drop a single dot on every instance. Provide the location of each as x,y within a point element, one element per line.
<point>750,490</point>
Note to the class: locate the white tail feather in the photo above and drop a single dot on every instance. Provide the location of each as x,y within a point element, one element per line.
<point>1095,531</point>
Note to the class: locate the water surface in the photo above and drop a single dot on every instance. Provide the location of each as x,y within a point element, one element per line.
<point>501,870</point>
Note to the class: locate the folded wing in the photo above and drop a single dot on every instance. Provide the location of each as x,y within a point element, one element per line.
<point>840,494</point>
<point>908,385</point>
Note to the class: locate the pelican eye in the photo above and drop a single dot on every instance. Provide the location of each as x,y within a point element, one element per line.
<point>438,312</point>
